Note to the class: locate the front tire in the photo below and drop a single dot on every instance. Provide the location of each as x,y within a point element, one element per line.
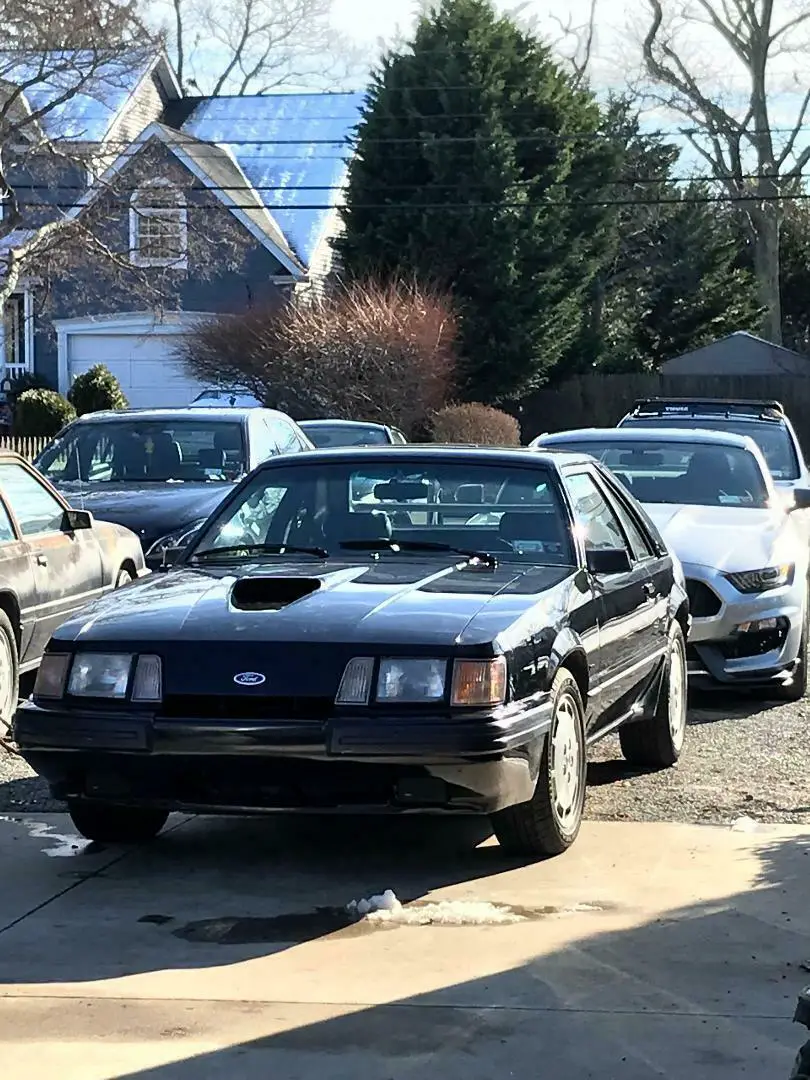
<point>9,675</point>
<point>549,822</point>
<point>796,689</point>
<point>657,743</point>
<point>108,823</point>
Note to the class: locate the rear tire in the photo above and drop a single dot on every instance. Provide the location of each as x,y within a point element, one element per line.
<point>657,743</point>
<point>125,577</point>
<point>549,822</point>
<point>9,675</point>
<point>109,823</point>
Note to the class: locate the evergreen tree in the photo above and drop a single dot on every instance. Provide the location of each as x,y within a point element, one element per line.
<point>677,277</point>
<point>478,168</point>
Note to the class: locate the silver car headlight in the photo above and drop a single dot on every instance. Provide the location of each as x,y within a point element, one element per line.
<point>179,538</point>
<point>769,577</point>
<point>411,680</point>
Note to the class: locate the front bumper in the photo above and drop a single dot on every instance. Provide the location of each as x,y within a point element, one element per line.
<point>480,762</point>
<point>719,652</point>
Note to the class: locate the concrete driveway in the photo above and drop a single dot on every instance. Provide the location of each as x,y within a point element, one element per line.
<point>222,952</point>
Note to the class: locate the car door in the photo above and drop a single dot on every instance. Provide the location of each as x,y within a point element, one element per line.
<point>626,606</point>
<point>67,566</point>
<point>17,580</point>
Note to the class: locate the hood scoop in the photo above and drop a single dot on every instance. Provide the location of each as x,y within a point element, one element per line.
<point>271,593</point>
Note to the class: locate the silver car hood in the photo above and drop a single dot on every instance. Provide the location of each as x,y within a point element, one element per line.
<point>728,538</point>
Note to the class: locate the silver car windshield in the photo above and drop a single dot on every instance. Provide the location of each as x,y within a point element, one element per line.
<point>127,450</point>
<point>695,474</point>
<point>773,439</point>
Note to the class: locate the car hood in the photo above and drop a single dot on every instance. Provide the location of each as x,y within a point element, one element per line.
<point>397,602</point>
<point>729,538</point>
<point>150,510</point>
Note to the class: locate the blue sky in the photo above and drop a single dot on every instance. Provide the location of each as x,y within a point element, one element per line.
<point>619,26</point>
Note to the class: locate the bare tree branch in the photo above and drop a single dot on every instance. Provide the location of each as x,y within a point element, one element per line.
<point>735,146</point>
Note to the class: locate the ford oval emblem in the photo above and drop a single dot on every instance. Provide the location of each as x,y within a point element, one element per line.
<point>249,678</point>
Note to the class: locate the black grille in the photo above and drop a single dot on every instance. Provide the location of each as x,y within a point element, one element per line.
<point>245,707</point>
<point>703,602</point>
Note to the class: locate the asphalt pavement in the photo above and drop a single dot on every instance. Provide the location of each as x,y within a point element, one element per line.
<point>224,950</point>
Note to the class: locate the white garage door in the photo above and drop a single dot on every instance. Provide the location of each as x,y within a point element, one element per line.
<point>142,362</point>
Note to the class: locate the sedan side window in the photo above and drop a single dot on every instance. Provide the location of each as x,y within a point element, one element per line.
<point>36,510</point>
<point>596,522</point>
<point>262,443</point>
<point>639,544</point>
<point>6,528</point>
<point>285,436</point>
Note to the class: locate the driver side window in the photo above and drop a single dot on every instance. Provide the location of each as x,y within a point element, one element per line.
<point>35,509</point>
<point>596,522</point>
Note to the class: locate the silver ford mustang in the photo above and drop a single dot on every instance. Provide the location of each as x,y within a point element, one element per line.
<point>744,553</point>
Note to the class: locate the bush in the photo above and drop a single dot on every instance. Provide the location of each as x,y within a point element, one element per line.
<point>474,423</point>
<point>42,412</point>
<point>96,390</point>
<point>28,381</point>
<point>365,352</point>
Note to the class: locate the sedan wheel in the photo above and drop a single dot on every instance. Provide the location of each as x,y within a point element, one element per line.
<point>657,742</point>
<point>9,674</point>
<point>549,822</point>
<point>113,824</point>
<point>124,578</point>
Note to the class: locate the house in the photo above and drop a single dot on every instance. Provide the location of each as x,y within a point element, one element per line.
<point>739,354</point>
<point>181,208</point>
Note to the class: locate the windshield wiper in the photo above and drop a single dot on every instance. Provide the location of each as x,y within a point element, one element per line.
<point>267,549</point>
<point>484,557</point>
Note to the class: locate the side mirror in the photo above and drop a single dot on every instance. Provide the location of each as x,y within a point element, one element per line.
<point>801,499</point>
<point>601,561</point>
<point>77,519</point>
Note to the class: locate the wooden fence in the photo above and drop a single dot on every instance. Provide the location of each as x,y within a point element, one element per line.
<point>27,445</point>
<point>602,400</point>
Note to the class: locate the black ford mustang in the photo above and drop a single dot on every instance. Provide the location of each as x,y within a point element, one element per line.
<point>403,628</point>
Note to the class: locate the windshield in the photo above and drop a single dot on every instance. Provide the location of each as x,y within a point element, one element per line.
<point>325,435</point>
<point>681,472</point>
<point>117,451</point>
<point>773,439</point>
<point>513,513</point>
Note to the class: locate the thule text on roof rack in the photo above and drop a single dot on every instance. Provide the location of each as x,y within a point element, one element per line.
<point>659,406</point>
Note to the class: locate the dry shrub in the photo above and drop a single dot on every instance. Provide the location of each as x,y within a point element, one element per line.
<point>365,352</point>
<point>475,423</point>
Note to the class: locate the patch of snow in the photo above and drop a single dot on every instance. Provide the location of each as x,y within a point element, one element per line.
<point>67,844</point>
<point>745,824</point>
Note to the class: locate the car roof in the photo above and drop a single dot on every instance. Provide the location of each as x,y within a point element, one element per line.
<point>708,437</point>
<point>217,413</point>
<point>426,452</point>
<point>343,423</point>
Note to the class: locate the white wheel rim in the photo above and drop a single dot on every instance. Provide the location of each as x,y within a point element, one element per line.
<point>677,695</point>
<point>566,763</point>
<point>6,679</point>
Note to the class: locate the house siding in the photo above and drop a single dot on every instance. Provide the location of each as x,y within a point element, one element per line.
<point>228,270</point>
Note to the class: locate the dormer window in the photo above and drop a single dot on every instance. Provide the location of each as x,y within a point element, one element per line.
<point>158,226</point>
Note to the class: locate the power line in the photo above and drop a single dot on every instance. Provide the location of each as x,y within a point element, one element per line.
<point>623,181</point>
<point>468,207</point>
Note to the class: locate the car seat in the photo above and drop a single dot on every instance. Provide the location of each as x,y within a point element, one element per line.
<point>166,457</point>
<point>546,529</point>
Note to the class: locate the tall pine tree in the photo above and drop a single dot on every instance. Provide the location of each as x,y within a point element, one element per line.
<point>676,278</point>
<point>478,166</point>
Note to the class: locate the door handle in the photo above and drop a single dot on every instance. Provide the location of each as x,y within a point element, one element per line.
<point>42,560</point>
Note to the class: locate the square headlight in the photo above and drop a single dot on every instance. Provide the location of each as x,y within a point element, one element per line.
<point>103,675</point>
<point>411,681</point>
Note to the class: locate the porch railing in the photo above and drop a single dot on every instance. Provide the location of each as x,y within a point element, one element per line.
<point>27,445</point>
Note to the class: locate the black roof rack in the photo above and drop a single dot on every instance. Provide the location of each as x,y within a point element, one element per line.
<point>660,406</point>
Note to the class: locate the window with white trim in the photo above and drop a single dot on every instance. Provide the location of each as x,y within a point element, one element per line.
<point>158,225</point>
